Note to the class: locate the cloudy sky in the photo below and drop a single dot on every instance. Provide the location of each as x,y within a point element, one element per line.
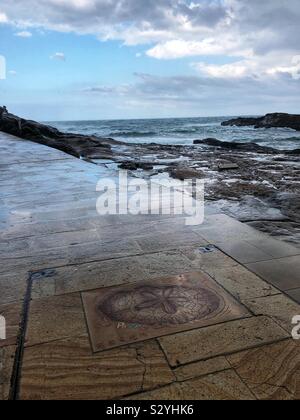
<point>98,59</point>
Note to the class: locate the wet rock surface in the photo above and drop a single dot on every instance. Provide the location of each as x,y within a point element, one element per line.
<point>261,185</point>
<point>269,120</point>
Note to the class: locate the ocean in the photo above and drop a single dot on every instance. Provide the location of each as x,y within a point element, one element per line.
<point>181,131</point>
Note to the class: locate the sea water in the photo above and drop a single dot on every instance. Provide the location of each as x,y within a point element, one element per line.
<point>182,131</point>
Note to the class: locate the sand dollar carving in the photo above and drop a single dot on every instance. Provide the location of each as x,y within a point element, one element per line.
<point>161,305</point>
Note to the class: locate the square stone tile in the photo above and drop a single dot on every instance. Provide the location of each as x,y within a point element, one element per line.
<point>87,276</point>
<point>243,251</point>
<point>221,228</point>
<point>215,259</point>
<point>136,312</point>
<point>67,369</point>
<point>217,340</point>
<point>294,294</point>
<point>7,355</point>
<point>219,386</point>
<point>283,273</point>
<point>241,282</point>
<point>205,367</point>
<point>162,241</point>
<point>271,372</point>
<point>12,314</point>
<point>12,287</point>
<point>166,263</point>
<point>275,248</point>
<point>279,307</point>
<point>55,318</point>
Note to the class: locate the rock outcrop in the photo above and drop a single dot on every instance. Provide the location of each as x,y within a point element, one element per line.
<point>87,147</point>
<point>268,121</point>
<point>246,147</point>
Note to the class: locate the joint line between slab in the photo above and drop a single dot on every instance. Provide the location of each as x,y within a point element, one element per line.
<point>18,361</point>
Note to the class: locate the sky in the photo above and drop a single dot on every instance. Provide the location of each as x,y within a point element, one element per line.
<point>115,59</point>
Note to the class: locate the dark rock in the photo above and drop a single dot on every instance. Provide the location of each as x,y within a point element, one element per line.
<point>183,173</point>
<point>134,166</point>
<point>269,120</point>
<point>210,141</point>
<point>74,144</point>
<point>247,147</point>
<point>228,166</point>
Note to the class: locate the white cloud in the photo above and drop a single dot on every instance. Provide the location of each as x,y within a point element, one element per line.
<point>24,34</point>
<point>293,70</point>
<point>58,56</point>
<point>3,18</point>
<point>12,72</point>
<point>180,48</point>
<point>225,71</point>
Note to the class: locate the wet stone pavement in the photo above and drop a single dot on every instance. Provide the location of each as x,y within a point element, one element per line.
<point>184,312</point>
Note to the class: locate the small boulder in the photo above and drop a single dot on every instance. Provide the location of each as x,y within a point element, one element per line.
<point>183,173</point>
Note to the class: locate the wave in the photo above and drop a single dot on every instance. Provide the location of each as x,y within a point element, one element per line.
<point>133,134</point>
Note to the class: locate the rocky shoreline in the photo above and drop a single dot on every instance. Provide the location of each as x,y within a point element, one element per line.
<point>255,184</point>
<point>279,120</point>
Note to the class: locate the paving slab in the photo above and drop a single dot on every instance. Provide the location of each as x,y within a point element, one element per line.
<point>7,355</point>
<point>243,251</point>
<point>160,241</point>
<point>241,283</point>
<point>271,372</point>
<point>273,247</point>
<point>136,312</point>
<point>280,308</point>
<point>294,294</point>
<point>13,287</point>
<point>88,276</point>
<point>219,386</point>
<point>217,340</point>
<point>283,273</point>
<point>208,260</point>
<point>55,318</point>
<point>203,368</point>
<point>67,370</point>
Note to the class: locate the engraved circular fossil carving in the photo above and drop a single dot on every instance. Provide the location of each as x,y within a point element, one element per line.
<point>161,305</point>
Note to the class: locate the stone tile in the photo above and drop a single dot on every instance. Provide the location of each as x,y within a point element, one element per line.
<point>7,355</point>
<point>67,370</point>
<point>136,312</point>
<point>241,282</point>
<point>217,340</point>
<point>219,386</point>
<point>280,308</point>
<point>210,260</point>
<point>294,294</point>
<point>55,318</point>
<point>12,314</point>
<point>161,242</point>
<point>243,251</point>
<point>167,263</point>
<point>271,372</point>
<point>275,248</point>
<point>221,228</point>
<point>12,287</point>
<point>194,370</point>
<point>283,273</point>
<point>98,251</point>
<point>89,276</point>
